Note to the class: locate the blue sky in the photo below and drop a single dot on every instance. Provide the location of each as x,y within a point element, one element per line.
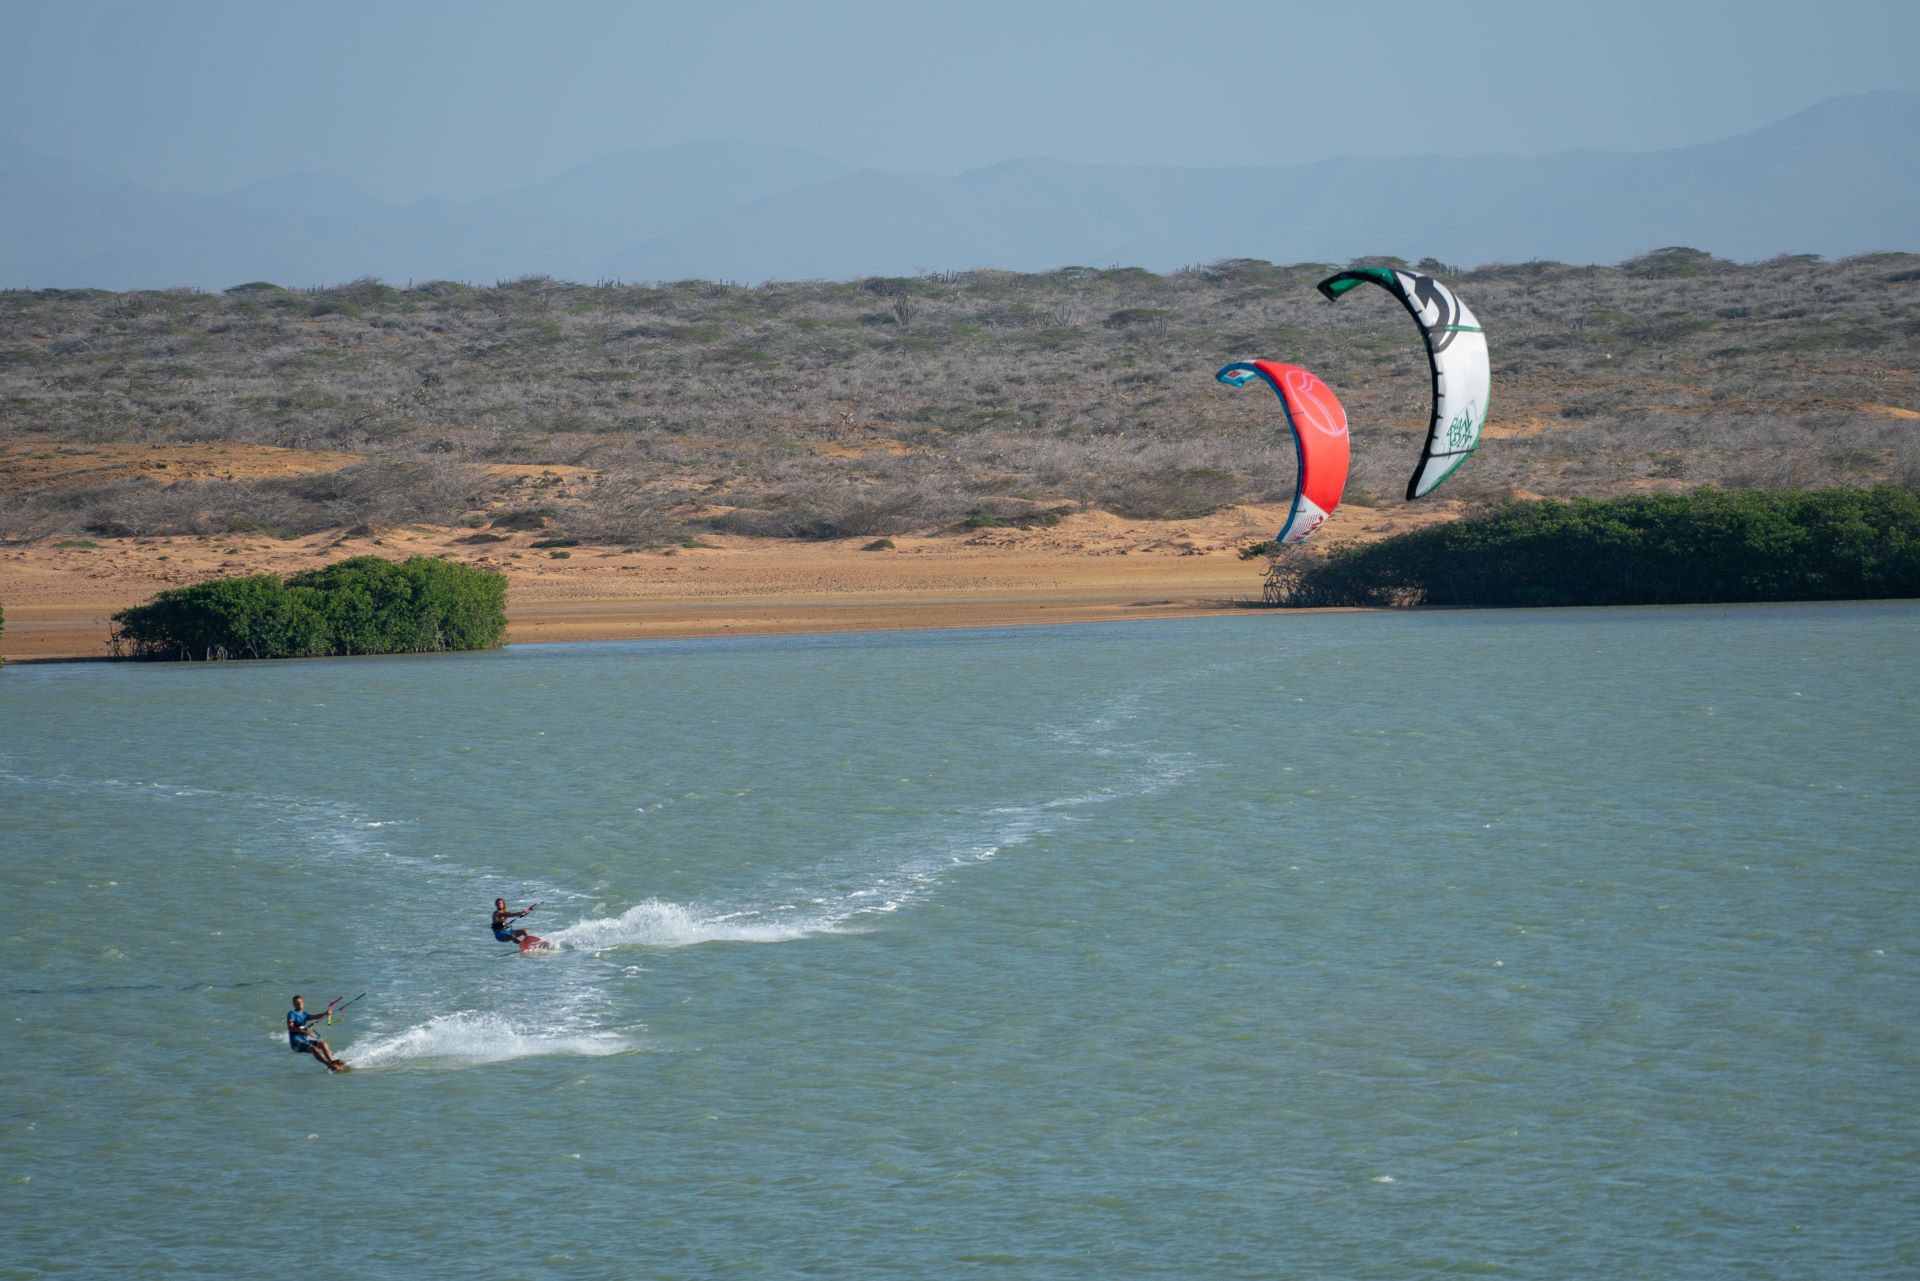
<point>458,99</point>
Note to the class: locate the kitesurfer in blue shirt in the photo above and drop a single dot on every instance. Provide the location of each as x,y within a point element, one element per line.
<point>500,918</point>
<point>300,1042</point>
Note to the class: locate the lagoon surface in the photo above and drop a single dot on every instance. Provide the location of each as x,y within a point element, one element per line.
<point>1534,944</point>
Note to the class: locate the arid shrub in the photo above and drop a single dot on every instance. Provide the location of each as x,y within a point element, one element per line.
<point>1175,493</point>
<point>624,512</point>
<point>820,513</point>
<point>1079,386</point>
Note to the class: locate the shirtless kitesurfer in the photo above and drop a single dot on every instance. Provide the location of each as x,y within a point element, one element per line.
<point>500,918</point>
<point>300,1042</point>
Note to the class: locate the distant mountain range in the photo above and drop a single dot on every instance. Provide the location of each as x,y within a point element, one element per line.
<point>1840,178</point>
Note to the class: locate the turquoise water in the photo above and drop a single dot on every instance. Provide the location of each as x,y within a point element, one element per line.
<point>1541,944</point>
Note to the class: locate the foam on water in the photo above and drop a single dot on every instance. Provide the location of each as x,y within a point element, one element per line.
<point>912,865</point>
<point>468,1038</point>
<point>981,836</point>
<point>655,923</point>
<point>891,873</point>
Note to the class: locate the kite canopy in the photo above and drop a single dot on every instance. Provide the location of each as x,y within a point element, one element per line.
<point>1319,427</point>
<point>1457,350</point>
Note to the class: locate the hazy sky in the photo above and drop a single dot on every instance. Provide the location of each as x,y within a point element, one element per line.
<point>457,99</point>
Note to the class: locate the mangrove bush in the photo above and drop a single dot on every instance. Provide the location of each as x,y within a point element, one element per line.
<point>364,605</point>
<point>1656,549</point>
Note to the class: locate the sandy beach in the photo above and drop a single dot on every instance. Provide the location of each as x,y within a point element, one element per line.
<point>59,593</point>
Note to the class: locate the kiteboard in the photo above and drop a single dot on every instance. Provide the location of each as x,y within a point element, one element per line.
<point>530,943</point>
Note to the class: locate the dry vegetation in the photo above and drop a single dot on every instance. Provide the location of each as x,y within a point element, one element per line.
<point>633,415</point>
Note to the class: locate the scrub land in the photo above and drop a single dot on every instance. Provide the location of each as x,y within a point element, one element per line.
<point>700,458</point>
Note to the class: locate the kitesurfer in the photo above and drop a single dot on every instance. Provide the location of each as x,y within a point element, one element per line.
<point>301,1043</point>
<point>500,918</point>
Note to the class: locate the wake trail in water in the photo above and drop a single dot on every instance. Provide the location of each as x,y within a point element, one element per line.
<point>876,879</point>
<point>324,830</point>
<point>655,923</point>
<point>839,895</point>
<point>325,835</point>
<point>419,905</point>
<point>564,1012</point>
<point>471,1038</point>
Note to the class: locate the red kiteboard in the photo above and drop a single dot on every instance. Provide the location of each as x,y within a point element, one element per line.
<point>531,943</point>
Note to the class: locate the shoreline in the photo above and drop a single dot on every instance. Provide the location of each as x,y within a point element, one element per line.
<point>1175,611</point>
<point>59,594</point>
<point>77,632</point>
